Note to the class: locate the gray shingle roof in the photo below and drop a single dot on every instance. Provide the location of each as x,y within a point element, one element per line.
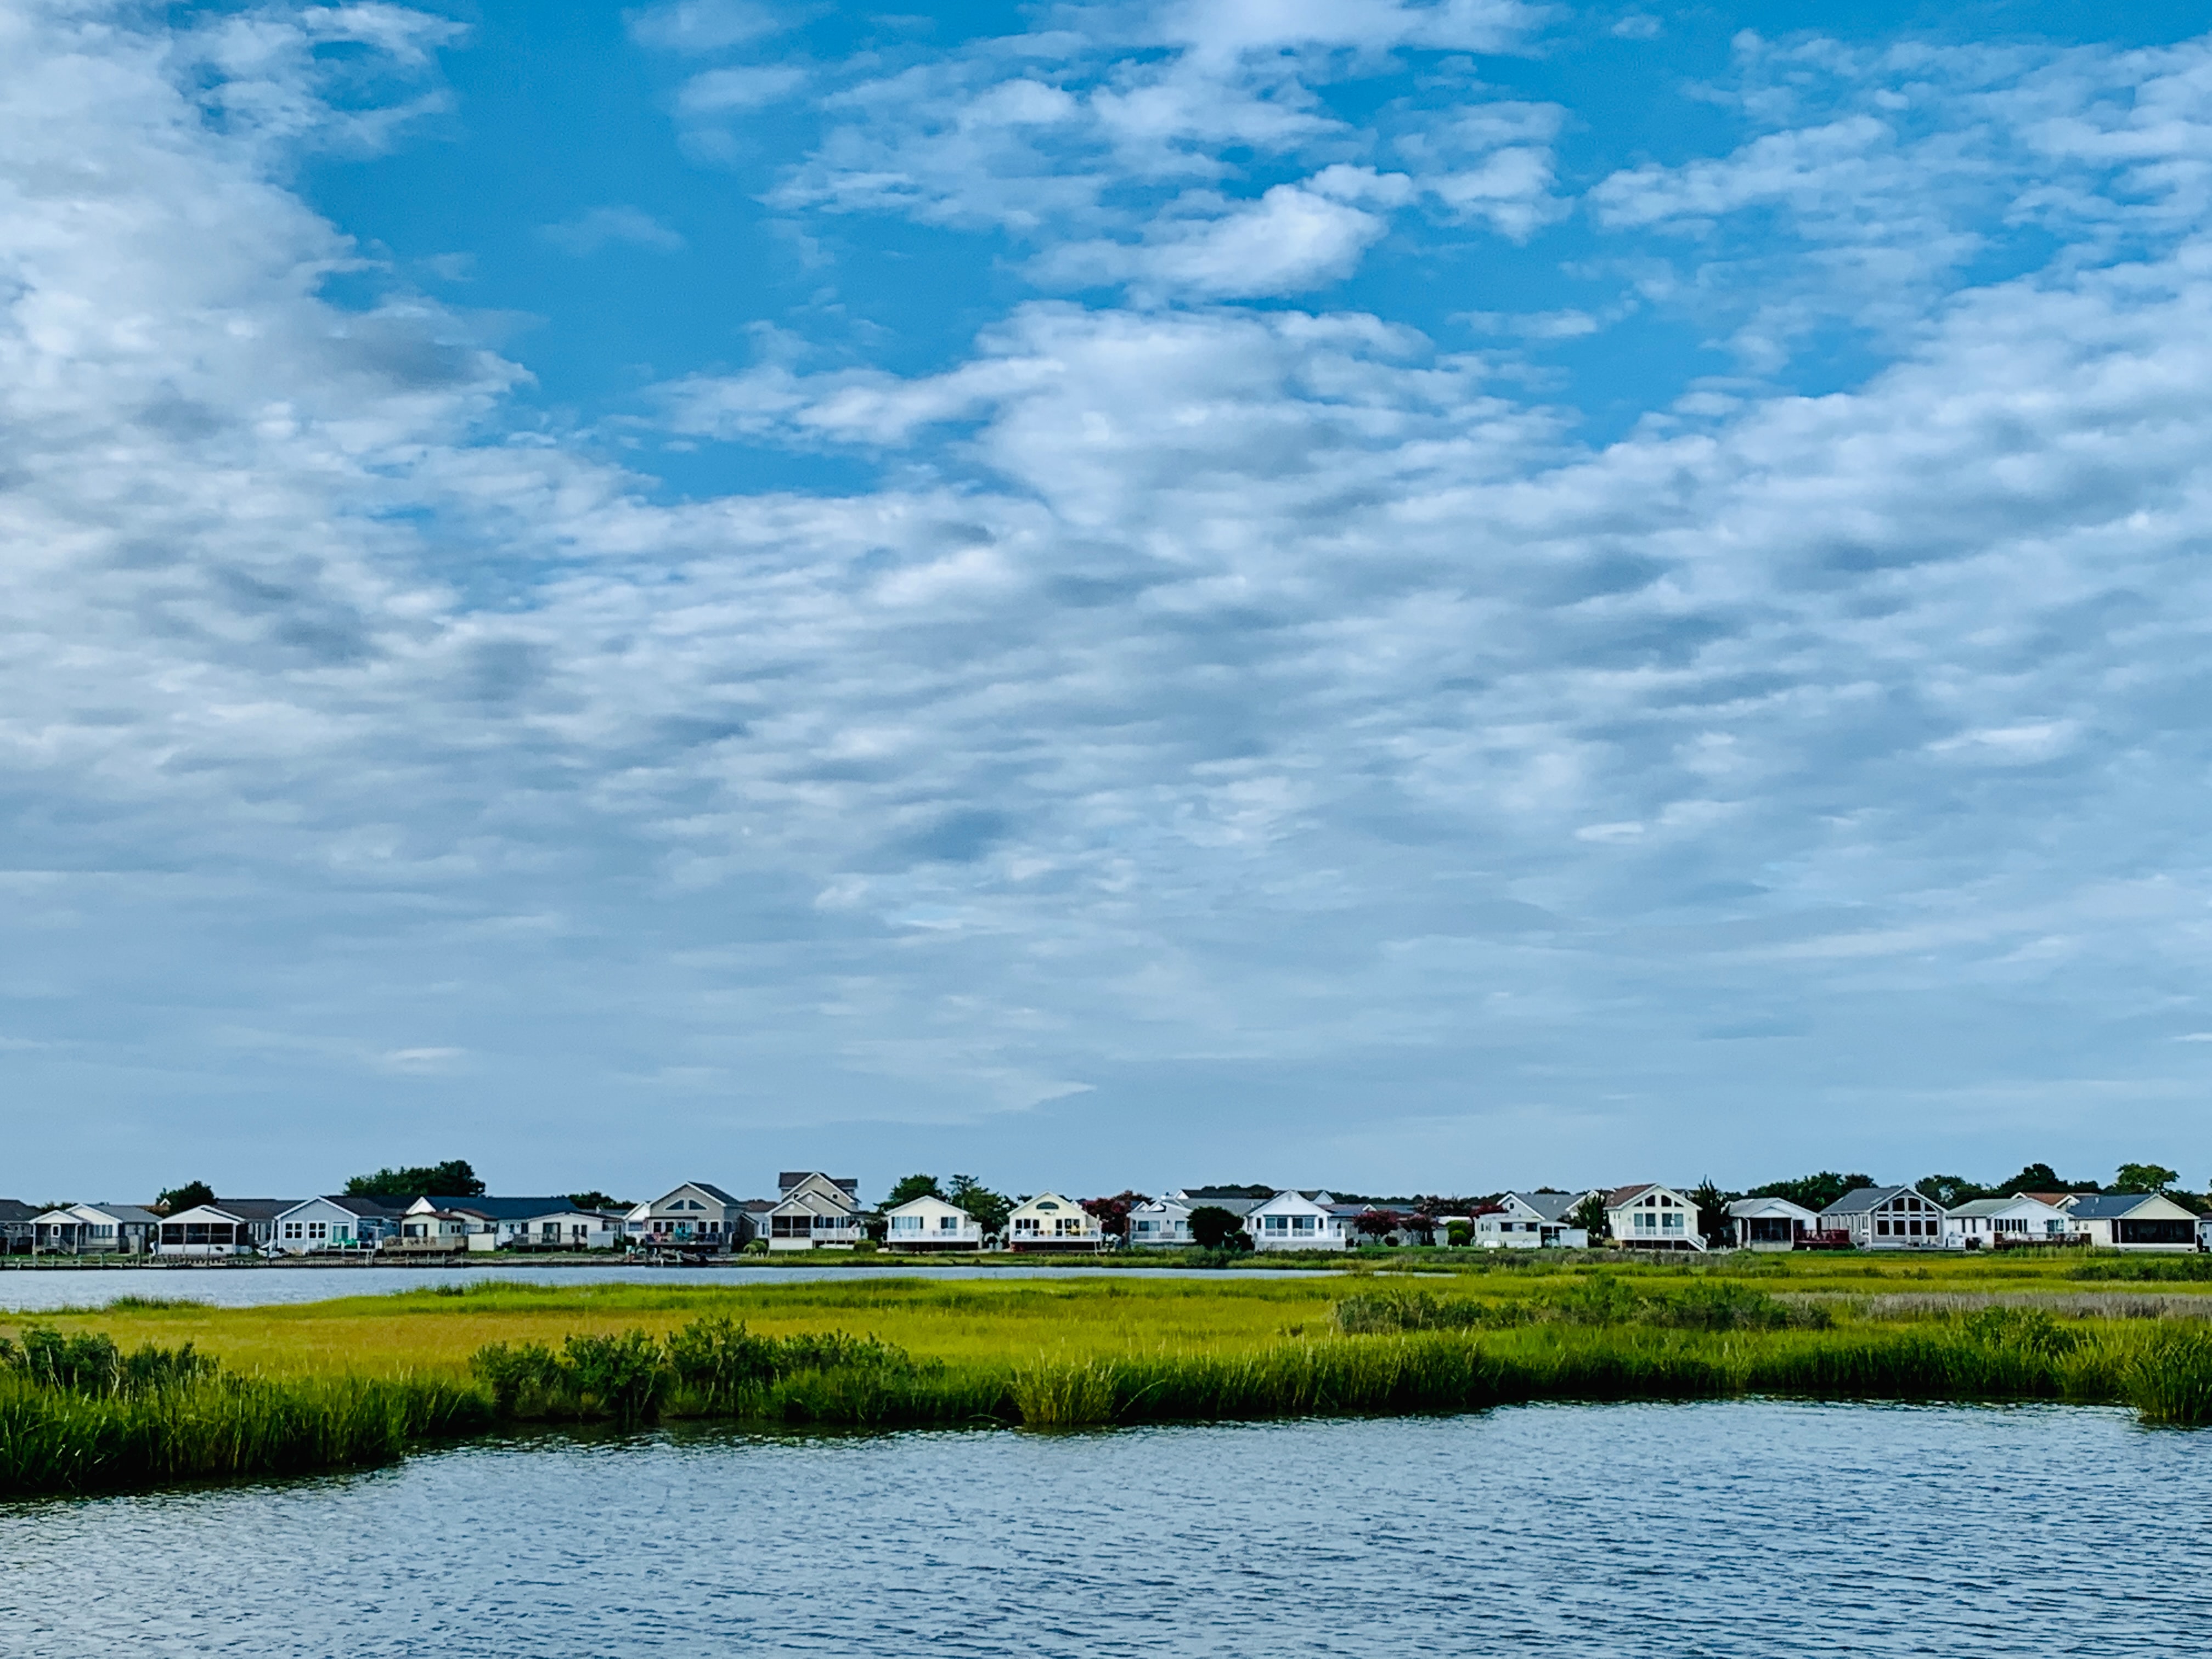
<point>2106,1206</point>
<point>1552,1207</point>
<point>1865,1198</point>
<point>509,1209</point>
<point>13,1209</point>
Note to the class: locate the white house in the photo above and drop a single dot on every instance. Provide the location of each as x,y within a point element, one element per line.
<point>1770,1224</point>
<point>696,1216</point>
<point>342,1222</point>
<point>1529,1221</point>
<point>94,1230</point>
<point>1294,1220</point>
<point>229,1226</point>
<point>1050,1222</point>
<point>1653,1218</point>
<point>928,1223</point>
<point>1886,1219</point>
<point>1986,1224</point>
<point>425,1230</point>
<point>816,1212</point>
<point>2133,1221</point>
<point>1161,1223</point>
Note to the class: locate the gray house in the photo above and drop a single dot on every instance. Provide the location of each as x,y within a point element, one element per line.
<point>1886,1219</point>
<point>2133,1221</point>
<point>16,1218</point>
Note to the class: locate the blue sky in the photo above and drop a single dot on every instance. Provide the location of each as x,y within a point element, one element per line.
<point>1411,595</point>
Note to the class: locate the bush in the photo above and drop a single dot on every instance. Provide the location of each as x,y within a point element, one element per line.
<point>90,1363</point>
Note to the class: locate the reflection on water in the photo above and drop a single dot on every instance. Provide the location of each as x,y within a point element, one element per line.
<point>1726,1529</point>
<point>31,1290</point>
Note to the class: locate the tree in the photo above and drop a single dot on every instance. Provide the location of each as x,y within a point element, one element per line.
<point>2145,1178</point>
<point>1949,1190</point>
<point>190,1196</point>
<point>911,1188</point>
<point>1712,1210</point>
<point>1211,1226</point>
<point>1814,1192</point>
<point>2040,1178</point>
<point>1377,1223</point>
<point>596,1201</point>
<point>992,1209</point>
<point>1113,1213</point>
<point>1589,1215</point>
<point>452,1179</point>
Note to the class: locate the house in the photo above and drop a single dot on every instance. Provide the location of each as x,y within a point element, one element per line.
<point>1770,1224</point>
<point>229,1226</point>
<point>928,1223</point>
<point>1987,1224</point>
<point>1529,1221</point>
<point>1050,1222</point>
<point>2133,1221</point>
<point>696,1216</point>
<point>345,1221</point>
<point>1295,1220</point>
<point>536,1224</point>
<point>16,1220</point>
<point>1239,1201</point>
<point>816,1212</point>
<point>94,1230</point>
<point>1653,1218</point>
<point>1886,1219</point>
<point>1162,1222</point>
<point>425,1230</point>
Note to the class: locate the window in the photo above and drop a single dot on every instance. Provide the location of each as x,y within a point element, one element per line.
<point>1881,1225</point>
<point>295,1230</point>
<point>1278,1223</point>
<point>1302,1223</point>
<point>1047,1205</point>
<point>319,1230</point>
<point>1673,1220</point>
<point>906,1223</point>
<point>1027,1223</point>
<point>948,1224</point>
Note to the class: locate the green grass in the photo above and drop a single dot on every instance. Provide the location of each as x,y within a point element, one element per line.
<point>159,1389</point>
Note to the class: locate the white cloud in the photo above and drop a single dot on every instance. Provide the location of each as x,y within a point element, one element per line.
<point>632,227</point>
<point>1292,239</point>
<point>699,26</point>
<point>751,87</point>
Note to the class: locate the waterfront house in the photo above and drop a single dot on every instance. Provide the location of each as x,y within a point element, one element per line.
<point>1161,1223</point>
<point>426,1230</point>
<point>1529,1221</point>
<point>16,1220</point>
<point>928,1223</point>
<point>2133,1221</point>
<point>696,1216</point>
<point>94,1230</point>
<point>1050,1222</point>
<point>534,1223</point>
<point>1295,1220</point>
<point>1239,1201</point>
<point>229,1226</point>
<point>1648,1217</point>
<point>1886,1219</point>
<point>1986,1224</point>
<point>345,1221</point>
<point>816,1212</point>
<point>1770,1224</point>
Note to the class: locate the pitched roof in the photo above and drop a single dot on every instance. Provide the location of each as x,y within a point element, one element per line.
<point>2106,1206</point>
<point>1994,1205</point>
<point>1552,1207</point>
<point>1753,1207</point>
<point>137,1214</point>
<point>508,1209</point>
<point>364,1205</point>
<point>1621,1196</point>
<point>13,1209</point>
<point>790,1178</point>
<point>1863,1199</point>
<point>252,1209</point>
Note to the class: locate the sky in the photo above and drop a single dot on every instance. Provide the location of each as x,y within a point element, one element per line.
<point>1409,596</point>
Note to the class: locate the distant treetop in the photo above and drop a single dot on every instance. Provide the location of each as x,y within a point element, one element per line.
<point>452,1179</point>
<point>190,1196</point>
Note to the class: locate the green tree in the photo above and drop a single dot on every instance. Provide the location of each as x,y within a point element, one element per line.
<point>452,1179</point>
<point>1712,1210</point>
<point>1814,1192</point>
<point>910,1188</point>
<point>1589,1216</point>
<point>2145,1178</point>
<point>1949,1190</point>
<point>1211,1226</point>
<point>190,1196</point>
<point>596,1201</point>
<point>992,1209</point>
<point>2041,1178</point>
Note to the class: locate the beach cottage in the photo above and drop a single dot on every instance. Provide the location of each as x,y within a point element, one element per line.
<point>1653,1218</point>
<point>928,1223</point>
<point>816,1212</point>
<point>94,1230</point>
<point>1295,1220</point>
<point>1051,1222</point>
<point>16,1220</point>
<point>1529,1221</point>
<point>1161,1223</point>
<point>346,1221</point>
<point>1886,1219</point>
<point>696,1216</point>
<point>1770,1224</point>
<point>229,1226</point>
<point>2133,1221</point>
<point>1988,1224</point>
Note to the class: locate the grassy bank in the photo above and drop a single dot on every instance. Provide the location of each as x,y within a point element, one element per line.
<point>183,1391</point>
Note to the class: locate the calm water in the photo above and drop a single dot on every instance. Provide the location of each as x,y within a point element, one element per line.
<point>1737,1529</point>
<point>31,1290</point>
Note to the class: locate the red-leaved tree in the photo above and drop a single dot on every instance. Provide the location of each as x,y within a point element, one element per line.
<point>1113,1213</point>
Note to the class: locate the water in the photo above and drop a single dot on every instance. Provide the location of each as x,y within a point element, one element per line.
<point>1745,1528</point>
<point>37,1290</point>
